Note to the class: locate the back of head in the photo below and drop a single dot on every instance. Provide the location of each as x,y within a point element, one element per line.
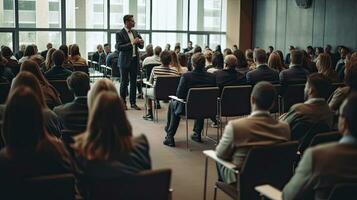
<point>230,61</point>
<point>249,54</point>
<point>64,49</point>
<point>49,45</point>
<point>182,58</point>
<point>274,61</point>
<point>241,61</point>
<point>149,49</point>
<point>348,111</point>
<point>324,62</point>
<point>78,83</point>
<point>38,59</point>
<point>74,50</point>
<point>197,49</point>
<point>260,56</point>
<point>217,60</point>
<point>157,50</point>
<point>174,59</point>
<point>227,51</point>
<point>6,52</point>
<point>23,120</point>
<point>351,76</point>
<point>263,95</point>
<point>33,68</point>
<point>30,50</point>
<point>319,84</point>
<point>26,78</point>
<point>109,135</point>
<point>198,61</point>
<point>58,58</point>
<point>165,58</point>
<point>100,86</point>
<point>296,57</point>
<point>208,55</point>
<point>49,61</point>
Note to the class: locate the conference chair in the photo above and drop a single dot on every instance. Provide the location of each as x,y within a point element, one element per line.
<point>290,95</point>
<point>153,184</point>
<point>200,103</point>
<point>4,92</point>
<point>147,70</point>
<point>271,164</point>
<point>61,86</point>
<point>326,137</point>
<point>164,87</point>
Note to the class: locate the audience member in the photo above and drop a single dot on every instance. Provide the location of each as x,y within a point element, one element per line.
<point>29,51</point>
<point>189,47</point>
<point>112,61</point>
<point>107,49</point>
<point>5,72</point>
<point>76,58</point>
<point>154,59</point>
<point>310,52</point>
<point>149,52</point>
<point>258,129</point>
<point>227,51</point>
<point>296,73</point>
<point>242,65</point>
<point>99,86</point>
<point>325,166</point>
<point>217,62</point>
<point>197,78</point>
<point>29,150</point>
<point>44,53</point>
<point>67,64</point>
<point>51,95</point>
<point>177,48</point>
<point>162,70</point>
<point>229,75</point>
<point>107,148</point>
<point>99,56</point>
<point>275,63</point>
<point>287,57</point>
<point>262,71</point>
<point>249,58</point>
<point>281,56</point>
<point>303,116</point>
<point>340,66</point>
<point>197,49</point>
<point>58,72</point>
<point>318,51</point>
<point>324,67</point>
<point>307,63</point>
<point>175,63</point>
<point>270,51</point>
<point>45,66</point>
<point>3,78</point>
<point>11,63</point>
<point>74,115</point>
<point>38,59</point>
<point>208,56</point>
<point>183,61</point>
<point>21,52</point>
<point>218,49</point>
<point>167,47</point>
<point>235,48</point>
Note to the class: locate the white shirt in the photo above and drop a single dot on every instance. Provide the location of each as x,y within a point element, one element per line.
<point>152,60</point>
<point>131,37</point>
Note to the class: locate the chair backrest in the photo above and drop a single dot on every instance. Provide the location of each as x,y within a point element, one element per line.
<point>57,187</point>
<point>271,164</point>
<point>322,138</point>
<point>309,130</point>
<point>82,68</point>
<point>292,94</point>
<point>166,86</point>
<point>235,101</point>
<point>61,86</point>
<point>4,92</point>
<point>344,191</point>
<point>202,102</point>
<point>154,184</point>
<point>333,87</point>
<point>147,70</point>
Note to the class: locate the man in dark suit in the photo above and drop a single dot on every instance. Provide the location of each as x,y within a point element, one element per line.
<point>127,43</point>
<point>197,78</point>
<point>229,75</point>
<point>74,115</point>
<point>58,72</point>
<point>44,53</point>
<point>99,56</point>
<point>262,72</point>
<point>303,116</point>
<point>296,73</point>
<point>325,166</point>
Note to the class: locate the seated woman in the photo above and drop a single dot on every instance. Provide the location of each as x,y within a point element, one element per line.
<point>107,149</point>
<point>29,149</point>
<point>76,58</point>
<point>324,66</point>
<point>51,122</point>
<point>50,93</point>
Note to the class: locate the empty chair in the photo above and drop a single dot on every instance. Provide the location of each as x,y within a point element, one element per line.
<point>61,86</point>
<point>154,184</point>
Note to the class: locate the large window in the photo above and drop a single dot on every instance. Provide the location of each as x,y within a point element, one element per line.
<point>92,22</point>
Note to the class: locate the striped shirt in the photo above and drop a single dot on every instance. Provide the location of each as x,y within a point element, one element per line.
<point>162,71</point>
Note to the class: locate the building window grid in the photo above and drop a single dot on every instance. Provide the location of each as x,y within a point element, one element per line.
<point>141,4</point>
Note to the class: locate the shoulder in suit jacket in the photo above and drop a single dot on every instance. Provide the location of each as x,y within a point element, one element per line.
<point>262,73</point>
<point>124,47</point>
<point>227,77</point>
<point>293,75</point>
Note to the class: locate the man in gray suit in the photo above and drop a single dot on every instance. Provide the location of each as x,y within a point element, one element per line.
<point>325,166</point>
<point>128,41</point>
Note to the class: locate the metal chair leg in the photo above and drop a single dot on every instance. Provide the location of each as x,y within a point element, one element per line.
<point>187,133</point>
<point>206,128</point>
<point>215,193</point>
<point>205,182</point>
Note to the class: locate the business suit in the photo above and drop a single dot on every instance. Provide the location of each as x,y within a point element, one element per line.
<point>262,73</point>
<point>128,62</point>
<point>196,78</point>
<point>229,77</point>
<point>240,135</point>
<point>57,73</point>
<point>323,167</point>
<point>313,111</point>
<point>74,115</point>
<point>295,74</point>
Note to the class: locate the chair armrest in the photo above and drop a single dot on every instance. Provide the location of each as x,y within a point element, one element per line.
<point>269,192</point>
<point>148,83</point>
<point>212,154</point>
<point>177,99</point>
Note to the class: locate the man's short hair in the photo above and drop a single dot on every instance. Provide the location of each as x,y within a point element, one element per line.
<point>49,45</point>
<point>296,57</point>
<point>230,61</point>
<point>165,57</point>
<point>320,84</point>
<point>58,57</point>
<point>78,83</point>
<point>157,50</point>
<point>106,45</point>
<point>198,60</point>
<point>127,18</point>
<point>264,94</point>
<point>260,55</point>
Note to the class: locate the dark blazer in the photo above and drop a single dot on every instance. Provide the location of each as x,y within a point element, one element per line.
<point>229,77</point>
<point>57,73</point>
<point>262,73</point>
<point>195,78</point>
<point>74,115</point>
<point>321,168</point>
<point>44,54</point>
<point>131,163</point>
<point>100,58</point>
<point>295,74</point>
<point>125,48</point>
